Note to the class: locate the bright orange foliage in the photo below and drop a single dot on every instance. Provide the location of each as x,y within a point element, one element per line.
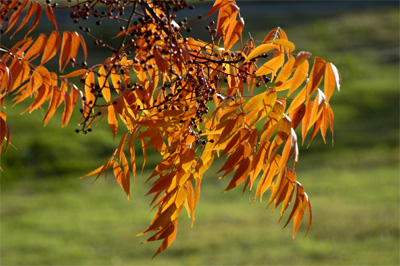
<point>193,101</point>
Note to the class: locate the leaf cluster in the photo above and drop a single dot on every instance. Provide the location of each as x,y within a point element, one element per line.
<point>193,101</point>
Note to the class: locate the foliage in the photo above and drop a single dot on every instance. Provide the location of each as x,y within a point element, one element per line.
<point>192,101</point>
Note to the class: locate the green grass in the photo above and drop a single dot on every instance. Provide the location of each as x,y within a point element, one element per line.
<point>50,217</point>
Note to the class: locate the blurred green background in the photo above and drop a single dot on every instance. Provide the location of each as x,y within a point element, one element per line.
<point>51,217</point>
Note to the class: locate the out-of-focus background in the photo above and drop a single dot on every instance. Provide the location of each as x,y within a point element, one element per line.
<point>49,216</point>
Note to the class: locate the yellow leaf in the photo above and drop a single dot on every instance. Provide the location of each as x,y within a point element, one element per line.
<point>285,72</point>
<point>271,66</point>
<point>299,76</point>
<point>260,50</point>
<point>285,43</point>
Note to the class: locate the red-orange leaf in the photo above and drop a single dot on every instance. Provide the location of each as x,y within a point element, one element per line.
<point>4,131</point>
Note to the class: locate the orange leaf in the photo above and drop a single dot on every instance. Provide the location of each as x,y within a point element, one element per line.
<point>50,15</point>
<point>162,219</point>
<point>285,72</point>
<point>119,175</point>
<point>76,73</point>
<point>298,100</point>
<point>75,41</point>
<point>297,115</point>
<point>317,108</point>
<point>233,33</point>
<point>287,194</point>
<point>217,6</point>
<point>103,83</point>
<point>37,47</point>
<point>65,49</point>
<point>241,173</point>
<point>301,57</point>
<point>227,14</point>
<point>332,78</point>
<point>325,121</point>
<point>299,76</point>
<point>83,44</point>
<point>15,16</point>
<point>268,176</point>
<point>52,46</point>
<point>277,186</point>
<point>306,120</point>
<point>316,75</point>
<point>112,119</point>
<point>89,86</point>
<point>37,18</point>
<point>67,109</point>
<point>54,103</point>
<point>169,235</point>
<point>235,158</point>
<point>28,15</point>
<point>126,179</point>
<point>299,208</point>
<point>6,9</point>
<point>289,150</point>
<point>283,133</point>
<point>272,123</point>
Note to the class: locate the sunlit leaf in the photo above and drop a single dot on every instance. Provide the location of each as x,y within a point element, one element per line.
<point>271,66</point>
